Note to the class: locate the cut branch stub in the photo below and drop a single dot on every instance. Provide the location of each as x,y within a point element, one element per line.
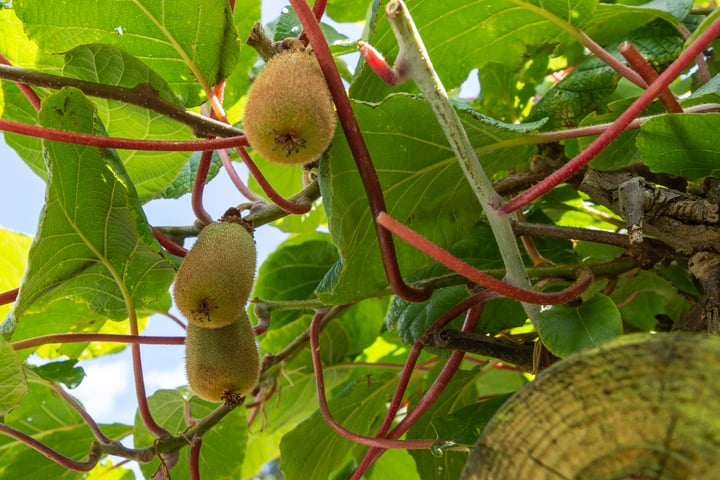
<point>639,407</point>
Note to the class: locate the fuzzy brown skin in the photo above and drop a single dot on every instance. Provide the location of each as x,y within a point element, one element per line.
<point>289,116</point>
<point>214,281</point>
<point>222,364</point>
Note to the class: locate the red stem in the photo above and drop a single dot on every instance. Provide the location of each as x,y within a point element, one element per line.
<point>433,393</point>
<point>95,337</point>
<point>274,196</point>
<point>355,140</point>
<point>122,143</point>
<point>235,178</point>
<point>9,296</point>
<point>327,415</point>
<point>199,187</point>
<point>54,455</point>
<point>75,405</point>
<point>24,87</point>
<point>618,126</point>
<point>648,73</point>
<point>194,460</point>
<point>168,244</point>
<point>583,281</point>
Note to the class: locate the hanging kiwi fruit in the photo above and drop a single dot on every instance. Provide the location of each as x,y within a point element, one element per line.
<point>215,279</point>
<point>289,116</point>
<point>222,364</point>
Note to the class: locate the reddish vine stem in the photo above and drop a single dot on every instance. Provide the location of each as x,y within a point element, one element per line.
<point>52,454</point>
<point>122,143</point>
<point>357,145</point>
<point>646,71</point>
<point>435,390</point>
<point>327,415</point>
<point>9,296</point>
<point>194,459</point>
<point>618,126</point>
<point>318,11</point>
<point>95,337</point>
<point>75,405</point>
<point>275,197</point>
<point>199,187</point>
<point>584,278</point>
<point>235,178</point>
<point>416,349</point>
<point>24,87</point>
<point>168,244</point>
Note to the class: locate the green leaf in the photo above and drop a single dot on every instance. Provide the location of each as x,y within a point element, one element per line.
<point>588,86</point>
<point>293,271</point>
<point>314,450</point>
<point>489,31</point>
<point>223,447</point>
<point>682,144</point>
<point>13,259</point>
<point>646,295</point>
<point>186,42</point>
<point>13,384</point>
<point>94,256</point>
<point>419,176</point>
<point>151,172</point>
<point>288,25</point>
<point>64,372</point>
<point>183,182</point>
<point>23,52</point>
<point>342,11</point>
<point>611,22</point>
<point>566,329</point>
<point>395,463</point>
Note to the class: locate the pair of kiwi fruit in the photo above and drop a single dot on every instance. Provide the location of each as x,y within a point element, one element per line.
<point>211,289</point>
<point>289,116</point>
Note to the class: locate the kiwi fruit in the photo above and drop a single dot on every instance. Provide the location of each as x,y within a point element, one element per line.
<point>289,116</point>
<point>222,364</point>
<point>215,279</point>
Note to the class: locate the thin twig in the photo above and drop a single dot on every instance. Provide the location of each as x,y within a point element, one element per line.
<point>52,454</point>
<point>585,276</point>
<point>144,97</point>
<point>95,337</point>
<point>121,143</point>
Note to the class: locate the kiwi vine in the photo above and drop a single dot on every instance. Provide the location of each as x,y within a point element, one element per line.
<point>443,251</point>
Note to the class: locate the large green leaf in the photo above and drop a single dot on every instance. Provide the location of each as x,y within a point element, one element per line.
<point>13,258</point>
<point>682,144</point>
<point>565,329</point>
<point>293,272</point>
<point>488,31</point>
<point>150,172</point>
<point>13,385</point>
<point>94,256</point>
<point>223,447</point>
<point>185,41</point>
<point>610,22</point>
<point>419,176</point>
